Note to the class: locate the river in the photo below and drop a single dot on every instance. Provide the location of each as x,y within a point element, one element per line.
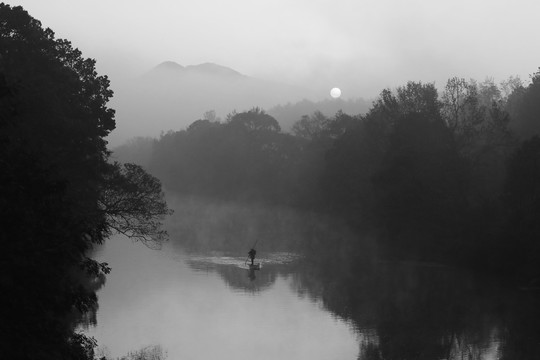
<point>183,304</point>
<point>209,306</point>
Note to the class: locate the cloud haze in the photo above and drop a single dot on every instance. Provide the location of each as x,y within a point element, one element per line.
<point>360,46</point>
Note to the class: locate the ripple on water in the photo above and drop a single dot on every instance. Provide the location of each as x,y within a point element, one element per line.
<point>206,261</point>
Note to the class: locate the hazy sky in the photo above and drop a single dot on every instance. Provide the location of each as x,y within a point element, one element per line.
<point>361,46</point>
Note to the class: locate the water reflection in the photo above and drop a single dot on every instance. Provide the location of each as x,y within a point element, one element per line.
<point>378,311</point>
<point>411,311</point>
<point>185,304</point>
<point>237,274</point>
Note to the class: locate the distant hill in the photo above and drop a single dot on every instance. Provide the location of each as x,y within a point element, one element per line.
<point>169,67</point>
<point>171,96</point>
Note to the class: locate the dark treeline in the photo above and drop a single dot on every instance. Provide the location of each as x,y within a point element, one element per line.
<point>247,157</point>
<point>60,194</point>
<point>447,177</point>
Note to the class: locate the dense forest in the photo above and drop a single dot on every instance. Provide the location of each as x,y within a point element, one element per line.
<point>445,176</point>
<point>61,195</point>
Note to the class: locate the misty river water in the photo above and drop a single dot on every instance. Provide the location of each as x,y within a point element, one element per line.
<point>209,306</point>
<point>193,311</point>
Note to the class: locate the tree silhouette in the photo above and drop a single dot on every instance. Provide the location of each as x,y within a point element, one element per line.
<point>60,194</point>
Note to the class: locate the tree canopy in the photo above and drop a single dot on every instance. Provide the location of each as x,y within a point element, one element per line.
<point>61,195</point>
<point>422,173</point>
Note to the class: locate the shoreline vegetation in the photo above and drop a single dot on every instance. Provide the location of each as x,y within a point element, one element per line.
<point>61,194</point>
<point>450,178</point>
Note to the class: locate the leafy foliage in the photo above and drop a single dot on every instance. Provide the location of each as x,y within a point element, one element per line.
<point>254,120</point>
<point>423,174</point>
<point>60,194</point>
<point>524,105</point>
<point>133,203</point>
<point>245,158</point>
<point>310,127</point>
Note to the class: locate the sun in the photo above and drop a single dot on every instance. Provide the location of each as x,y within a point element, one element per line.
<point>335,92</point>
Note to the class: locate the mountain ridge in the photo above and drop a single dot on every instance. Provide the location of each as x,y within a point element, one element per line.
<point>171,96</point>
<point>209,68</point>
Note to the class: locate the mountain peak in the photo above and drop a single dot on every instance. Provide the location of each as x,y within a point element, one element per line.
<point>169,65</point>
<point>214,69</point>
<point>207,68</point>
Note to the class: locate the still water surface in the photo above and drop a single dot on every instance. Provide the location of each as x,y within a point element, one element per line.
<point>209,306</point>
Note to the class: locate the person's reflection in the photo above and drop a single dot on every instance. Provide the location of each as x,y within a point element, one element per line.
<point>251,275</point>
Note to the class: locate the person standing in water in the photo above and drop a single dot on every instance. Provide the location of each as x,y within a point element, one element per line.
<point>251,254</point>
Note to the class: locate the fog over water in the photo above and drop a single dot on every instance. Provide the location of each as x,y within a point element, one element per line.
<point>200,304</point>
